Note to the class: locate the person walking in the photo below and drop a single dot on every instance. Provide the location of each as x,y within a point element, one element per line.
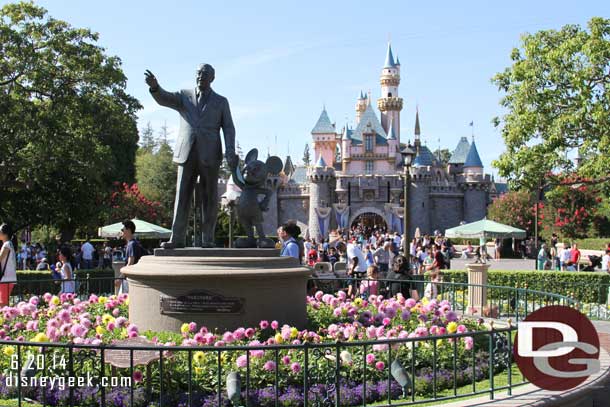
<point>574,258</point>
<point>543,257</point>
<point>68,285</point>
<point>8,264</point>
<point>87,250</point>
<point>564,256</point>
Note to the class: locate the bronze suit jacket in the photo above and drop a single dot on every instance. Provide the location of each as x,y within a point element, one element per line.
<point>200,125</point>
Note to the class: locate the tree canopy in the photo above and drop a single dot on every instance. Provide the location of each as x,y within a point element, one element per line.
<point>67,126</point>
<point>557,101</point>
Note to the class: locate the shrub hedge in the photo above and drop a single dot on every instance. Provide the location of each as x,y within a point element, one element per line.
<point>588,287</point>
<point>29,282</point>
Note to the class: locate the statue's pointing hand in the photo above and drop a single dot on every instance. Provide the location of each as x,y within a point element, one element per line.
<point>151,80</point>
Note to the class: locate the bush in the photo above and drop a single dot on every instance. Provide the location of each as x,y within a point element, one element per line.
<point>587,287</point>
<point>40,282</point>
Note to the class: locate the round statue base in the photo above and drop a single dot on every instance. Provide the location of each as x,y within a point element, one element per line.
<point>217,288</point>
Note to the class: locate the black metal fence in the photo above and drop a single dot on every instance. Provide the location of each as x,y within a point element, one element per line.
<point>400,372</point>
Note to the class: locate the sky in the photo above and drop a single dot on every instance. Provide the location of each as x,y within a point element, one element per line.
<point>280,62</point>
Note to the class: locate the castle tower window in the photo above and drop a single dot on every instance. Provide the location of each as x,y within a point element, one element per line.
<point>368,167</point>
<point>368,143</point>
<point>389,94</point>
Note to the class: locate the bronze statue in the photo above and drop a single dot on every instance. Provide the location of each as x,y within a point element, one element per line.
<point>198,150</point>
<point>251,179</point>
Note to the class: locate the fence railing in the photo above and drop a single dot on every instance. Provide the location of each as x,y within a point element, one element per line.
<point>413,370</point>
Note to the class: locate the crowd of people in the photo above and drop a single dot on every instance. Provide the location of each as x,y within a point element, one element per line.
<point>567,257</point>
<point>65,261</point>
<point>371,253</point>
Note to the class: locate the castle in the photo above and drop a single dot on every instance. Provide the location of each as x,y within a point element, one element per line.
<point>358,174</point>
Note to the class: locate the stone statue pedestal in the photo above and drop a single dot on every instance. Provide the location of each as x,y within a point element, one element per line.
<point>477,293</point>
<point>217,288</point>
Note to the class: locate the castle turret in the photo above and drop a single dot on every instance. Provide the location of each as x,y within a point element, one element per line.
<point>321,182</point>
<point>458,157</point>
<point>324,139</point>
<point>417,131</point>
<point>473,167</point>
<point>392,143</point>
<point>475,185</point>
<point>346,146</point>
<point>361,106</point>
<point>389,103</point>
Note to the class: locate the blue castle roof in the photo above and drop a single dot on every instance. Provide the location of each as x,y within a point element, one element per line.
<point>323,126</point>
<point>424,158</point>
<point>461,152</point>
<point>389,58</point>
<point>473,159</point>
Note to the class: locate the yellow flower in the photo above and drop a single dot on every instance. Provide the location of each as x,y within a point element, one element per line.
<point>184,328</point>
<point>124,333</point>
<point>425,300</point>
<point>102,300</point>
<point>1,320</point>
<point>198,370</point>
<point>106,318</point>
<point>199,357</point>
<point>55,300</point>
<point>126,302</point>
<point>452,327</point>
<point>100,330</point>
<point>294,333</point>
<point>9,350</point>
<point>358,302</point>
<point>278,338</point>
<point>40,338</point>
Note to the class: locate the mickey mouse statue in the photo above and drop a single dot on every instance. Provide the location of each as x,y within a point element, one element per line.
<point>251,179</point>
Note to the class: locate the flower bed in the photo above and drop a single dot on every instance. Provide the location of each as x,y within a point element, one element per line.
<point>347,342</point>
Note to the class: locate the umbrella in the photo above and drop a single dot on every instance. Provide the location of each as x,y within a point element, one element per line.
<point>485,229</point>
<point>143,229</point>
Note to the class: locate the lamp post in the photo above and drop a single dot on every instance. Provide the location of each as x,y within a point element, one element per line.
<point>407,154</point>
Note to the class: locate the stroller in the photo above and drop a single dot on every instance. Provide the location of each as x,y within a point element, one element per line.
<point>594,263</point>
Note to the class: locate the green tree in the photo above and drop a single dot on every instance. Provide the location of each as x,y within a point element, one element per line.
<point>67,126</point>
<point>444,155</point>
<point>147,138</point>
<point>156,176</point>
<point>306,156</point>
<point>514,208</point>
<point>556,98</point>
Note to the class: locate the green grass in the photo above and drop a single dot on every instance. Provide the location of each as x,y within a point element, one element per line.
<point>15,403</point>
<point>500,380</point>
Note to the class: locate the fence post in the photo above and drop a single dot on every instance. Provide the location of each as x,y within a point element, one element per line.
<point>477,287</point>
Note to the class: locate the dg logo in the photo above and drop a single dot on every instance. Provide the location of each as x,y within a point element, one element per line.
<point>557,348</point>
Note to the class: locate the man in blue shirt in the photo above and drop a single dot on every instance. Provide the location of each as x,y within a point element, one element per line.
<point>133,253</point>
<point>288,233</point>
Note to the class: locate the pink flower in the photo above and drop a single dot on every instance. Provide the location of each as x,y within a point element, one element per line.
<point>34,301</point>
<point>199,338</point>
<point>386,321</point>
<point>241,361</point>
<point>137,376</point>
<point>132,334</point>
<point>269,366</point>
<point>370,358</point>
<point>219,344</point>
<point>228,337</point>
<point>192,327</point>
<point>239,334</point>
<point>116,312</point>
<point>264,324</point>
<point>121,321</point>
<point>295,367</point>
<point>274,324</point>
<point>65,329</point>
<point>78,330</point>
<point>249,332</point>
<point>286,360</point>
<point>461,329</point>
<point>410,303</point>
<point>132,328</point>
<point>468,342</point>
<point>380,365</point>
<point>318,295</point>
<point>111,326</point>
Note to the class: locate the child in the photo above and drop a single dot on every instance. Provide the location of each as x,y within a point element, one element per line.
<point>370,286</point>
<point>431,291</point>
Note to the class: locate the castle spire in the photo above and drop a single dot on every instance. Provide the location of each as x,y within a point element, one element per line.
<point>389,58</point>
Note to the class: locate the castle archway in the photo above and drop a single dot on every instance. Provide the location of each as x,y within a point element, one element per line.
<point>368,216</point>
